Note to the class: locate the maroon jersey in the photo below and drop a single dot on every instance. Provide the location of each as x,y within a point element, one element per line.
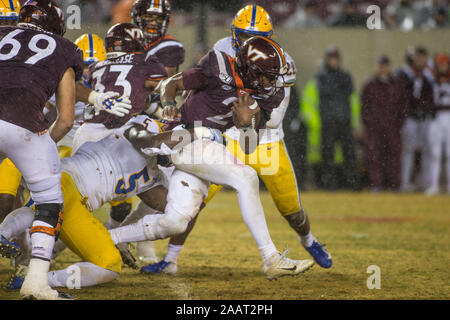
<point>125,75</point>
<point>214,86</point>
<point>32,63</point>
<point>169,51</point>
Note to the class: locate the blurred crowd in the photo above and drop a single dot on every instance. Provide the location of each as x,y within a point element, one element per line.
<point>405,117</point>
<point>403,14</point>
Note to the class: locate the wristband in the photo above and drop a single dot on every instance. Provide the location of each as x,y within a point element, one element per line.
<point>169,103</point>
<point>253,106</point>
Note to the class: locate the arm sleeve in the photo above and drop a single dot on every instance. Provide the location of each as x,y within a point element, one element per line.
<point>278,113</point>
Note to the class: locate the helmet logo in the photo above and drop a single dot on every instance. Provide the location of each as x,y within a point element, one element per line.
<point>134,33</point>
<point>254,54</point>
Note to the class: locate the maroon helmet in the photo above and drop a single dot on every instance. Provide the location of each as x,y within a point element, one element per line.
<point>260,58</point>
<point>124,37</point>
<point>153,30</point>
<point>44,14</point>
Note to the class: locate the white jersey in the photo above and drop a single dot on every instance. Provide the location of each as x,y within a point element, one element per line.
<point>274,131</point>
<point>67,140</point>
<point>111,169</point>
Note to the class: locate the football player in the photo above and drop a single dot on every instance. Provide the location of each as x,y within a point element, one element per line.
<point>93,50</point>
<point>10,176</point>
<point>271,152</point>
<point>223,91</point>
<point>153,17</point>
<point>26,140</point>
<point>99,172</point>
<point>128,70</point>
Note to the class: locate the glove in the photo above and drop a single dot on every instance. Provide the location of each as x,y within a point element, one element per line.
<point>108,102</point>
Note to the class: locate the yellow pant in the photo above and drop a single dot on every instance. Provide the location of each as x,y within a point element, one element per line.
<point>274,167</point>
<point>83,233</point>
<point>10,176</point>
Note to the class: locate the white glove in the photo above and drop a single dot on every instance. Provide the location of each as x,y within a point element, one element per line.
<point>108,102</point>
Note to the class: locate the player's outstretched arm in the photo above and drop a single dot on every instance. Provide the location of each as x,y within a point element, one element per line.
<point>142,139</point>
<point>65,104</point>
<point>168,92</point>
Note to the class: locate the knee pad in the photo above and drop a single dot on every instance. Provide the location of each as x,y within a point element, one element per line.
<point>161,226</point>
<point>50,213</point>
<point>121,211</point>
<point>248,180</point>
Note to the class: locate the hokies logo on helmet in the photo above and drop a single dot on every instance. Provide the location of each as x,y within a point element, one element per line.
<point>254,54</point>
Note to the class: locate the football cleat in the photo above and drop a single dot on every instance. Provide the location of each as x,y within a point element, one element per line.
<point>160,267</point>
<point>278,266</point>
<point>9,249</point>
<point>31,292</point>
<point>17,278</point>
<point>320,255</point>
<point>127,256</point>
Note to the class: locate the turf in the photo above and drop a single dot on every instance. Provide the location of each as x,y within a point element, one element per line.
<point>406,236</point>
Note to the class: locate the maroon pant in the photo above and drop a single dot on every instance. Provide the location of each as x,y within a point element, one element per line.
<point>383,156</point>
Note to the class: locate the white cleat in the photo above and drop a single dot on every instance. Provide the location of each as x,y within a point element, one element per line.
<point>278,266</point>
<point>35,285</point>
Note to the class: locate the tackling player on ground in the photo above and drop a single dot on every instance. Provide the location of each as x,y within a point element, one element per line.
<point>271,152</point>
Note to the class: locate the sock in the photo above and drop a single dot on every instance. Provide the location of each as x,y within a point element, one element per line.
<point>268,251</point>
<point>172,252</point>
<point>82,274</point>
<point>42,243</point>
<point>307,240</point>
<point>130,233</point>
<point>37,273</point>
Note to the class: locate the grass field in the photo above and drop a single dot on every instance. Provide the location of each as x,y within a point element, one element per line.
<point>406,236</point>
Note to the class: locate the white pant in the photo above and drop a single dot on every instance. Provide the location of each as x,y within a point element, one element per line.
<point>438,139</point>
<point>211,161</point>
<point>413,139</point>
<point>36,157</point>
